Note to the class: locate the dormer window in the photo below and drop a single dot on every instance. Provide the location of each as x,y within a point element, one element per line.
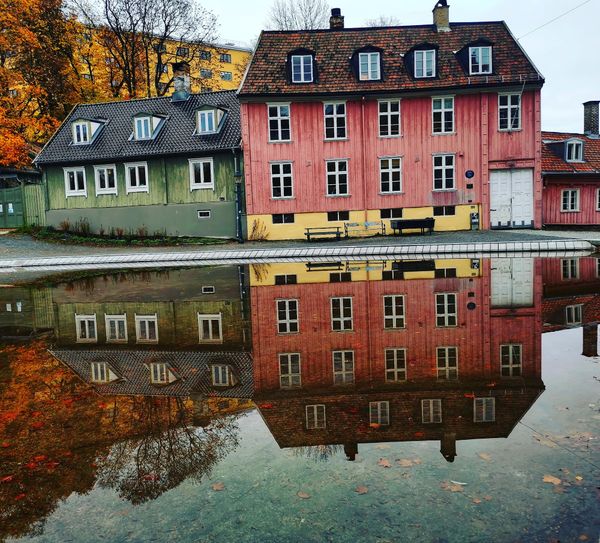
<point>302,68</point>
<point>143,128</point>
<point>369,66</point>
<point>99,372</point>
<point>221,375</point>
<point>425,63</point>
<point>574,151</point>
<point>206,121</point>
<point>480,60</point>
<point>159,373</point>
<point>81,132</point>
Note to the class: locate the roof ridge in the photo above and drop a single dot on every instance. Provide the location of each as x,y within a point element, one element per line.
<point>149,98</point>
<point>376,28</point>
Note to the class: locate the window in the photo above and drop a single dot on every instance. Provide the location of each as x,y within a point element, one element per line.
<point>598,200</point>
<point>393,312</point>
<point>570,200</point>
<point>333,216</point>
<point>99,372</point>
<point>283,218</point>
<point>570,268</point>
<point>210,329</point>
<point>183,52</point>
<point>225,57</point>
<point>81,132</point>
<point>75,184</point>
<point>343,367</point>
<point>484,409</point>
<point>226,76</point>
<point>444,211</point>
<point>395,365</point>
<point>205,74</point>
<point>368,67</point>
<point>431,411</point>
<point>116,328</point>
<point>288,279</point>
<point>447,363</point>
<point>159,373</point>
<point>206,122</point>
<point>445,310</point>
<point>289,370</point>
<point>509,111</point>
<point>205,55</point>
<point>379,413</point>
<point>287,316</point>
<point>86,328</point>
<point>392,275</point>
<point>445,273</point>
<point>13,93</point>
<point>136,175</point>
<point>574,151</point>
<point>220,375</point>
<point>201,173</point>
<point>282,183</point>
<point>335,120</point>
<point>390,175</point>
<point>302,69</point>
<point>341,314</point>
<point>146,328</point>
<point>340,277</point>
<point>204,213</point>
<point>143,128</point>
<point>279,122</point>
<point>162,68</point>
<point>389,118</point>
<point>160,48</point>
<point>425,63</point>
<point>315,417</point>
<point>510,360</point>
<point>443,115</point>
<point>106,179</point>
<point>208,289</point>
<point>19,307</point>
<point>87,76</point>
<point>392,213</point>
<point>574,314</point>
<point>480,60</point>
<point>443,172</point>
<point>337,177</point>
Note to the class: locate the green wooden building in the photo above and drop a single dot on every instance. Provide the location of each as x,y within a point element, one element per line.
<point>168,165</point>
<point>21,198</point>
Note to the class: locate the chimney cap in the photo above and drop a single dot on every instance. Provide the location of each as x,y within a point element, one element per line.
<point>336,12</point>
<point>441,4</point>
<point>591,102</point>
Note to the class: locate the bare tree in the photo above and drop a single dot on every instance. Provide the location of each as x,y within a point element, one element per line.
<point>298,15</point>
<point>383,20</point>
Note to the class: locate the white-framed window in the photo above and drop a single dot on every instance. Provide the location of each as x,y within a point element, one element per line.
<point>447,363</point>
<point>511,360</point>
<point>289,370</point>
<point>220,375</point>
<point>574,314</point>
<point>443,172</point>
<point>210,328</point>
<point>343,367</point>
<point>136,177</point>
<point>226,76</point>
<point>116,328</point>
<point>379,413</point>
<point>509,111</point>
<point>341,314</point>
<point>81,132</point>
<point>315,417</point>
<point>393,312</point>
<point>142,128</point>
<point>425,63</point>
<point>279,122</point>
<point>431,411</point>
<point>369,68</point>
<point>390,175</point>
<point>570,200</point>
<point>484,409</point>
<point>395,365</point>
<point>282,180</point>
<point>569,268</point>
<point>99,371</point>
<point>19,307</point>
<point>159,373</point>
<point>597,199</point>
<point>75,182</point>
<point>208,289</point>
<point>574,151</point>
<point>337,177</point>
<point>146,328</point>
<point>445,309</point>
<point>335,120</point>
<point>287,316</point>
<point>87,331</point>
<point>302,69</point>
<point>480,60</point>
<point>106,179</point>
<point>202,174</point>
<point>389,118</point>
<point>207,121</point>
<point>225,57</point>
<point>442,115</point>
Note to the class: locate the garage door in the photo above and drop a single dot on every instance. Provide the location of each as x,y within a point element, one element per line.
<point>511,198</point>
<point>11,207</point>
<point>512,282</point>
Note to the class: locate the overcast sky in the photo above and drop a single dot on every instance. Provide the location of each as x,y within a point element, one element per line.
<point>565,51</point>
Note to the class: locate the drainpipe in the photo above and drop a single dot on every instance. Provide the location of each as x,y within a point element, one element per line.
<point>237,173</point>
<point>363,166</point>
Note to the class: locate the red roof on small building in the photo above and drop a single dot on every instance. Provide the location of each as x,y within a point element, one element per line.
<point>553,157</point>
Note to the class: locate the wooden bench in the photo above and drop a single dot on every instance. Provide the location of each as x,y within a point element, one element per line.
<point>323,232</point>
<point>362,228</point>
<point>413,224</point>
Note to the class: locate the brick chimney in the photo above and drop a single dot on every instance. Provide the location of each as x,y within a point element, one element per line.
<point>441,16</point>
<point>337,19</point>
<point>590,340</point>
<point>591,118</point>
<point>181,81</point>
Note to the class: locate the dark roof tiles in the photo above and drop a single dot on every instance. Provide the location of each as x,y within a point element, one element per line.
<point>553,160</point>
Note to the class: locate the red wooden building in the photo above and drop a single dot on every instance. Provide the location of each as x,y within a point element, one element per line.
<point>365,125</point>
<point>571,172</point>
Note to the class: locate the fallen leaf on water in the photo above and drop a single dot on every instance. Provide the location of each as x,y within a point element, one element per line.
<point>487,498</point>
<point>552,479</point>
<point>583,537</point>
<point>485,456</point>
<point>303,495</point>
<point>417,461</point>
<point>545,442</point>
<point>476,501</point>
<point>384,463</point>
<point>405,463</point>
<point>451,487</point>
<point>361,490</point>
<point>218,486</point>
<point>578,478</point>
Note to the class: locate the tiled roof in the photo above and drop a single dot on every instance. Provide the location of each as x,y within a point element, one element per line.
<point>333,48</point>
<point>553,158</point>
<point>192,368</point>
<point>175,137</point>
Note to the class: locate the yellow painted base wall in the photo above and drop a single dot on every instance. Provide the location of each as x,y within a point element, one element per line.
<point>261,227</point>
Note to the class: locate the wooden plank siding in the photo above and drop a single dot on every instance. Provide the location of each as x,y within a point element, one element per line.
<point>34,205</point>
<point>589,212</point>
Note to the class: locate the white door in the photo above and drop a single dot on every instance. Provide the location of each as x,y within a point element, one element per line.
<point>511,198</point>
<point>512,282</point>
